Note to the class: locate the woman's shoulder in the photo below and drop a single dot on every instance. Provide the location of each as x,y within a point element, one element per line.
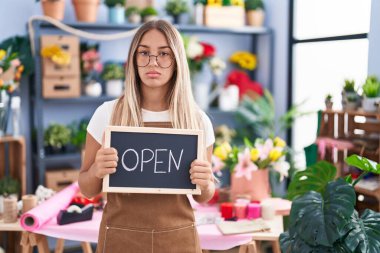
<point>108,105</point>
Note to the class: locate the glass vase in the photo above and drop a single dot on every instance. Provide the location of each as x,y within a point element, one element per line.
<point>5,100</point>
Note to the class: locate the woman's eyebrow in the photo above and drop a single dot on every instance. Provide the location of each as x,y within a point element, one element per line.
<point>141,45</point>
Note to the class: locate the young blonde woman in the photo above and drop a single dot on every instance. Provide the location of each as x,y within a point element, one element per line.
<point>157,94</point>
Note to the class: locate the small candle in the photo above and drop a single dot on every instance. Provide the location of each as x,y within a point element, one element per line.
<point>241,210</point>
<point>227,210</point>
<point>10,210</point>
<point>268,211</point>
<point>254,211</point>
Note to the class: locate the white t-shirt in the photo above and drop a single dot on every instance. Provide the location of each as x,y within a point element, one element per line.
<point>102,116</point>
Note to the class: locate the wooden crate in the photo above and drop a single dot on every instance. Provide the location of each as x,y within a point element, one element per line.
<point>225,16</point>
<point>61,87</point>
<point>68,43</point>
<point>59,179</point>
<point>139,3</point>
<point>15,157</point>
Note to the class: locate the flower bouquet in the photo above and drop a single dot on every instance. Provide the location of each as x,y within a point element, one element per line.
<point>250,165</point>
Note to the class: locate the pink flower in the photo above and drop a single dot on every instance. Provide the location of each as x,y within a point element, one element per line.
<point>217,165</point>
<point>90,55</point>
<point>264,149</point>
<point>245,167</point>
<point>15,63</point>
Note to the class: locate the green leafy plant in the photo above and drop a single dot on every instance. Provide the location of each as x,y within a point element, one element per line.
<point>57,135</point>
<point>112,71</point>
<point>78,133</point>
<point>113,3</point>
<point>131,11</point>
<point>251,5</point>
<point>204,2</point>
<point>328,98</point>
<point>226,3</point>
<point>371,87</point>
<point>8,186</point>
<point>349,85</point>
<point>323,217</point>
<point>352,97</point>
<point>149,11</point>
<point>258,119</point>
<point>176,7</point>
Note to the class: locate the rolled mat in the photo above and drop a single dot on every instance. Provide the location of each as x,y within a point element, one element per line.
<point>36,217</point>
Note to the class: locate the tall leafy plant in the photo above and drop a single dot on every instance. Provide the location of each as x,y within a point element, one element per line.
<point>323,217</point>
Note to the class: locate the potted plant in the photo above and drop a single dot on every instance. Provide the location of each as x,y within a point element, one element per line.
<point>199,6</point>
<point>255,12</point>
<point>371,94</point>
<point>133,15</point>
<point>86,10</point>
<point>113,74</point>
<point>176,8</point>
<point>149,13</point>
<point>115,11</point>
<point>9,187</point>
<point>328,101</point>
<point>78,135</point>
<point>53,8</point>
<point>323,216</point>
<point>350,98</point>
<point>56,138</point>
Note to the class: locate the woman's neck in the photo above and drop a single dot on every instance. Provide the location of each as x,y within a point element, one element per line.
<point>154,100</point>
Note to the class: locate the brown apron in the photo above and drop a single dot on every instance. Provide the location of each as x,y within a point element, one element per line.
<point>148,223</point>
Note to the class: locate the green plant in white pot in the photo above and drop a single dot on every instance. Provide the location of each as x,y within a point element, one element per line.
<point>371,94</point>
<point>133,14</point>
<point>323,216</point>
<point>255,12</point>
<point>116,11</point>
<point>9,187</point>
<point>149,13</point>
<point>113,74</point>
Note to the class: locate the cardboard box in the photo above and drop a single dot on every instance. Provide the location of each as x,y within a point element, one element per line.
<point>59,179</point>
<point>61,87</point>
<point>224,16</point>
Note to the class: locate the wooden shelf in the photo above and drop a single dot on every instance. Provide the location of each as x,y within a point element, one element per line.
<point>79,100</point>
<point>72,157</point>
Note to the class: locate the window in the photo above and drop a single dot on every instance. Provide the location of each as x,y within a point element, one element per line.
<point>329,44</point>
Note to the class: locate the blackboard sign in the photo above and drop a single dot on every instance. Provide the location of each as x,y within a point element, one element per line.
<point>153,160</point>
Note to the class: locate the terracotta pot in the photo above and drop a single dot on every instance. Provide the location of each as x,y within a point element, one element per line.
<point>257,189</point>
<point>86,10</point>
<point>54,8</point>
<point>255,17</point>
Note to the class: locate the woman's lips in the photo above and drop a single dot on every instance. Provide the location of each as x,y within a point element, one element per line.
<point>153,74</point>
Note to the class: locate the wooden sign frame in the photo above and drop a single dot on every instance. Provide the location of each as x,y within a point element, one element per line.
<point>154,130</point>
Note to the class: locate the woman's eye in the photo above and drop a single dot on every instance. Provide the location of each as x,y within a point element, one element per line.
<point>144,53</point>
<point>164,54</point>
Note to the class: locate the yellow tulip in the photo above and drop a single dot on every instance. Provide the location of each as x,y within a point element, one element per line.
<point>274,155</point>
<point>49,51</point>
<point>1,83</point>
<point>222,151</point>
<point>254,154</point>
<point>61,58</point>
<point>278,142</point>
<point>2,54</point>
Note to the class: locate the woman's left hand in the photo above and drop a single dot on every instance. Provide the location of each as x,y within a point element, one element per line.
<point>201,174</point>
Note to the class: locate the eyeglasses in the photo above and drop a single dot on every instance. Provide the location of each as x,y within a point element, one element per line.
<point>164,60</point>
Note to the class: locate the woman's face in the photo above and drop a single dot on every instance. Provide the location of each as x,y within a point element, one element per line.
<point>154,72</point>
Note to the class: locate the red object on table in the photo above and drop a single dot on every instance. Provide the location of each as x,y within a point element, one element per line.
<point>214,198</point>
<point>227,210</point>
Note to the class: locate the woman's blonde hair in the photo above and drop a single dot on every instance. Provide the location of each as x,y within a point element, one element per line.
<point>184,112</point>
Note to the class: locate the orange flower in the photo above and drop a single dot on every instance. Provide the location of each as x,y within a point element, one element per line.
<point>11,88</point>
<point>1,83</point>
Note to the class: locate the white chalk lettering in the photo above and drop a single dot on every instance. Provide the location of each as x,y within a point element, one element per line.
<point>155,161</point>
<point>172,157</point>
<point>137,160</point>
<point>142,157</point>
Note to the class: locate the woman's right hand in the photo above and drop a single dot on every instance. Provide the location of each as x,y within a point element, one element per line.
<point>105,162</point>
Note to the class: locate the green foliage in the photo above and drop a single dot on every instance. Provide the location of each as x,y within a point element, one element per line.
<point>258,118</point>
<point>113,71</point>
<point>176,7</point>
<point>371,87</point>
<point>19,47</point>
<point>113,3</point>
<point>226,3</point>
<point>324,219</point>
<point>149,11</point>
<point>132,10</point>
<point>204,2</point>
<point>328,98</point>
<point>254,5</point>
<point>349,85</point>
<point>79,133</point>
<point>57,135</point>
<point>9,186</point>
<point>315,178</point>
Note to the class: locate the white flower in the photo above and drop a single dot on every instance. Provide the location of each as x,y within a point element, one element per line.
<point>282,167</point>
<point>217,65</point>
<point>264,149</point>
<point>194,49</point>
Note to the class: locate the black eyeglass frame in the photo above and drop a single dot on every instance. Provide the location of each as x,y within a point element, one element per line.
<point>158,63</point>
